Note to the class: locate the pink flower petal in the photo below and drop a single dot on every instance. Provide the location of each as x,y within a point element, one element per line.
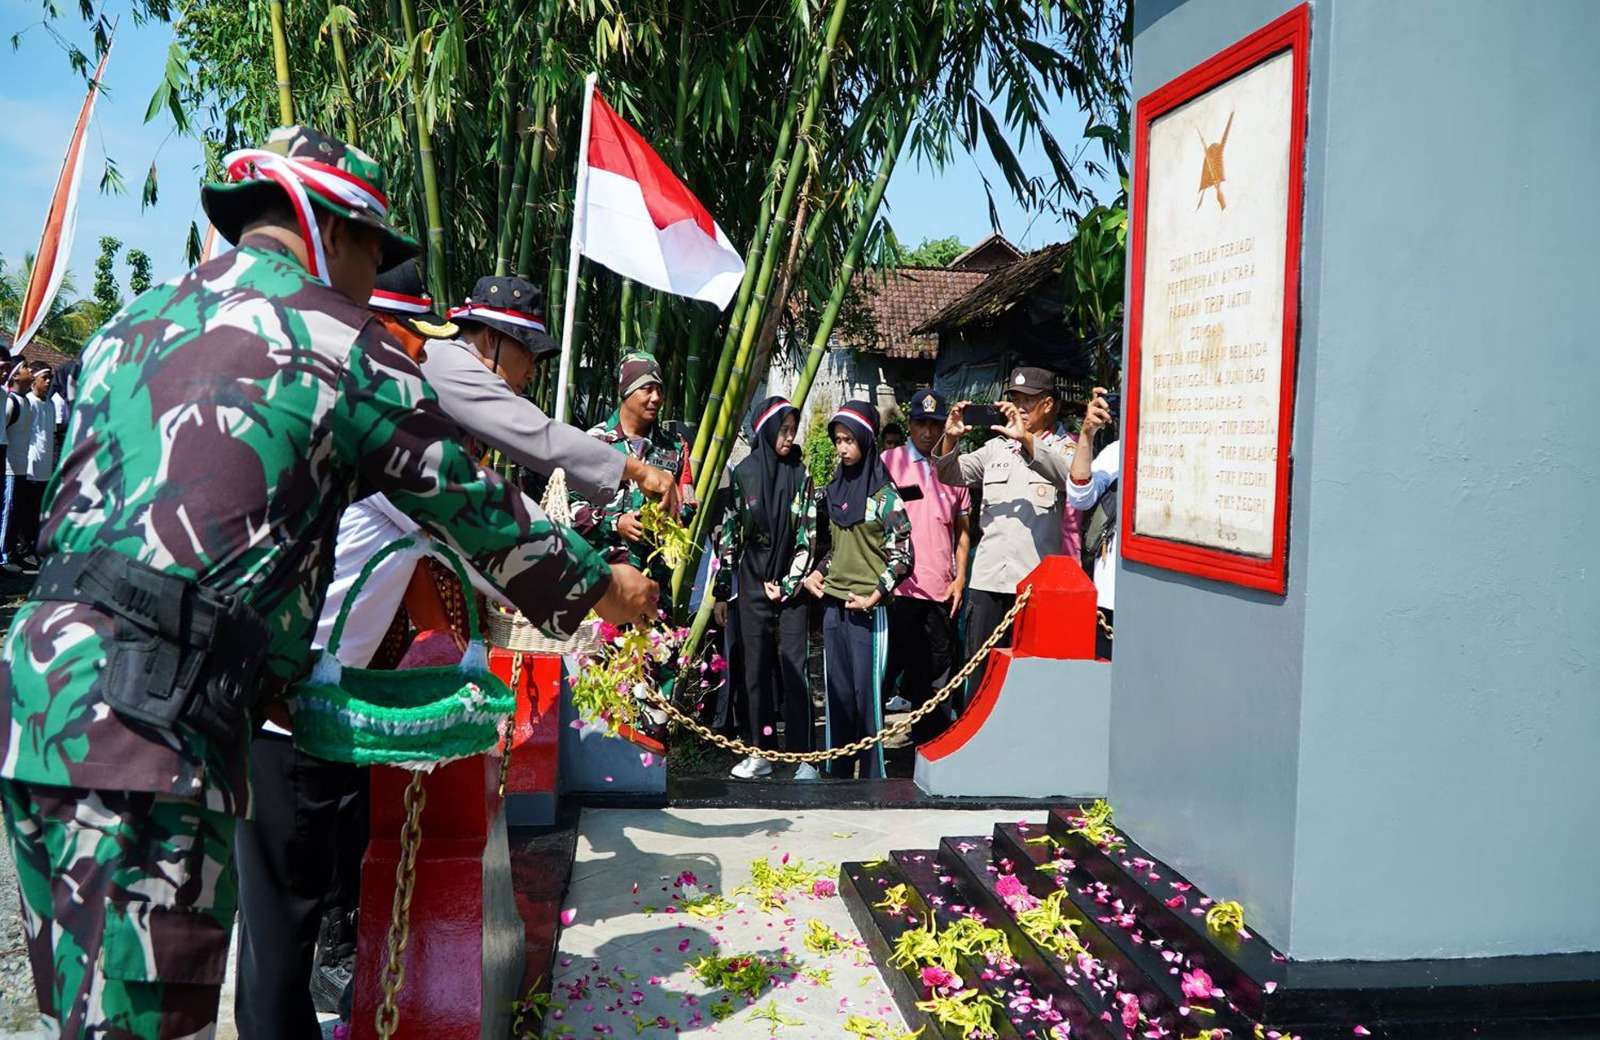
<point>1361,1031</point>
<point>569,915</point>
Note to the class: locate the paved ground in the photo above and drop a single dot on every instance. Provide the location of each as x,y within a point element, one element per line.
<point>620,963</point>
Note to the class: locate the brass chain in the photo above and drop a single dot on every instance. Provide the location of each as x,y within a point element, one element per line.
<point>405,877</point>
<point>509,732</point>
<point>858,746</point>
<point>1105,626</point>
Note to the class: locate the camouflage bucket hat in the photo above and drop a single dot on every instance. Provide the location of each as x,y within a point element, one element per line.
<point>308,167</point>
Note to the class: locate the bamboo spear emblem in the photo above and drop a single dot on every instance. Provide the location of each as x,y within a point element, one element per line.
<point>1211,175</point>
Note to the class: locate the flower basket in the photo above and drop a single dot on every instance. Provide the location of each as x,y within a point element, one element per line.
<point>509,630</point>
<point>414,718</point>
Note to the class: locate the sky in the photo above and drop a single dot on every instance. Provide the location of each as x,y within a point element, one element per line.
<point>40,96</point>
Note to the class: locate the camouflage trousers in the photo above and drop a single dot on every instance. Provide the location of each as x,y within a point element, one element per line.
<point>128,902</point>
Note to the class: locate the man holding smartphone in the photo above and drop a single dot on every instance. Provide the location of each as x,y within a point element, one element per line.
<point>1023,473</point>
<point>1094,489</point>
<point>922,613</point>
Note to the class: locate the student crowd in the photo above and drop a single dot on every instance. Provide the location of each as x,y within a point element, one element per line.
<point>903,547</point>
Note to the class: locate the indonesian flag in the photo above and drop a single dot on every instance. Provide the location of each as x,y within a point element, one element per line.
<point>61,223</point>
<point>640,221</point>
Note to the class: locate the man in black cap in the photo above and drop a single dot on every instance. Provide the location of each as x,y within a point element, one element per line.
<point>1024,477</point>
<point>922,613</point>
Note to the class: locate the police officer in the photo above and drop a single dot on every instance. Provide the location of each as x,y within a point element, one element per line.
<point>1023,474</point>
<point>224,420</point>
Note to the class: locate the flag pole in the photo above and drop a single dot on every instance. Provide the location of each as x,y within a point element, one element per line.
<point>579,198</point>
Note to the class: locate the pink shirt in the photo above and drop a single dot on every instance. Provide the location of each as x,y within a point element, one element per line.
<point>933,516</point>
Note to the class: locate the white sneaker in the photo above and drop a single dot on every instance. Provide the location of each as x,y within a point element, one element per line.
<point>807,771</point>
<point>897,703</point>
<point>752,767</point>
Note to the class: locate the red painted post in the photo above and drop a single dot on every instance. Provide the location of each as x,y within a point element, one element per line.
<point>455,958</point>
<point>1059,620</point>
<point>536,743</point>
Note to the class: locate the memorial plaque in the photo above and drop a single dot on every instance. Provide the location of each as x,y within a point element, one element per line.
<point>1212,318</point>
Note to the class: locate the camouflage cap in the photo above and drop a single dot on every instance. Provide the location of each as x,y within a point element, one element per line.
<point>309,166</point>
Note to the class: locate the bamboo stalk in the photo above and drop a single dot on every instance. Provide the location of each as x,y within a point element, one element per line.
<point>342,64</point>
<point>280,63</point>
<point>438,276</point>
<point>511,208</point>
<point>507,155</point>
<point>540,145</point>
<point>730,340</point>
<point>716,452</point>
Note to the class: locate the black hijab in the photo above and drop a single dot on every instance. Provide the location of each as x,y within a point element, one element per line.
<point>770,482</point>
<point>851,486</point>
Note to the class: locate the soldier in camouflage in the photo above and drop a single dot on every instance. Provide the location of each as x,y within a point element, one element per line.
<point>614,527</point>
<point>223,422</point>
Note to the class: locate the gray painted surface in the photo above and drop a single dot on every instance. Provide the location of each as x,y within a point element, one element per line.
<point>1398,759</point>
<point>597,762</point>
<point>1012,754</point>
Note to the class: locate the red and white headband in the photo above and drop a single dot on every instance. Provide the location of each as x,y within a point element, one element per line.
<point>777,407</point>
<point>295,176</point>
<point>847,415</point>
<point>393,301</point>
<point>481,312</point>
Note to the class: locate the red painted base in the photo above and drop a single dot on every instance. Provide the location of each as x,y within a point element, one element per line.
<point>459,975</point>
<point>536,744</point>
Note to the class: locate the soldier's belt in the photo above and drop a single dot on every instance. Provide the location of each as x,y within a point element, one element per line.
<point>182,652</point>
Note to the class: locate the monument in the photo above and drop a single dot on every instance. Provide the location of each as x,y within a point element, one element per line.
<point>1353,715</point>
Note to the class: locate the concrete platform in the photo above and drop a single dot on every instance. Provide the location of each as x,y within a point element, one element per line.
<point>619,963</point>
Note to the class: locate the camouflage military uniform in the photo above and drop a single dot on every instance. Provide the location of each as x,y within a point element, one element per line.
<point>598,523</point>
<point>884,509</point>
<point>224,421</point>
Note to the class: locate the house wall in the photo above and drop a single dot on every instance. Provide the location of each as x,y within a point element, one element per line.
<point>848,375</point>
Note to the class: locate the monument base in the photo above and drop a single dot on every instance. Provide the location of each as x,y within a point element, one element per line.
<point>1153,965</point>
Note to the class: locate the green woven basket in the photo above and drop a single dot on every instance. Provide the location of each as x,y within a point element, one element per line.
<point>414,718</point>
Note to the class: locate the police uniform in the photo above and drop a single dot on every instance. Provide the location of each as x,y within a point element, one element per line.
<point>1020,521</point>
<point>223,421</point>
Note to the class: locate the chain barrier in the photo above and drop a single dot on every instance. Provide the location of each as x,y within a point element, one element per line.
<point>739,747</point>
<point>405,877</point>
<point>1105,626</point>
<point>509,732</point>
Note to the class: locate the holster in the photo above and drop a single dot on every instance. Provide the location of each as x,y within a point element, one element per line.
<point>182,654</point>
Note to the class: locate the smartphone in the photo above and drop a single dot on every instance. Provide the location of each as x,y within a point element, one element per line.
<point>1114,402</point>
<point>909,493</point>
<point>983,416</point>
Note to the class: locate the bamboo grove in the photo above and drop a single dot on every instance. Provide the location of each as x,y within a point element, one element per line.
<point>787,118</point>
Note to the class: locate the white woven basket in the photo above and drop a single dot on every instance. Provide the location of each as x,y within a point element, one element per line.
<point>510,630</point>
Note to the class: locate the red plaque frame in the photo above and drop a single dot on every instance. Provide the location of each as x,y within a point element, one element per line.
<point>1291,32</point>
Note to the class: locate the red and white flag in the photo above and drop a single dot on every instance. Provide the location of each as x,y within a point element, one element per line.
<point>640,221</point>
<point>55,244</point>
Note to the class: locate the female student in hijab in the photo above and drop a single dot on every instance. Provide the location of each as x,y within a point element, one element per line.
<point>770,491</point>
<point>870,537</point>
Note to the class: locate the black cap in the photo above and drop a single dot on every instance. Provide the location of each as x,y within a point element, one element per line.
<point>401,294</point>
<point>509,305</point>
<point>928,403</point>
<point>1026,379</point>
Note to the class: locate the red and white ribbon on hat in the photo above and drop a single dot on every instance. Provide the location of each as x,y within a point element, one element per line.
<point>393,301</point>
<point>295,176</point>
<point>850,415</point>
<point>481,311</point>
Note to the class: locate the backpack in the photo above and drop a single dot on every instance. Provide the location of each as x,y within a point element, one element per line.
<point>1100,526</point>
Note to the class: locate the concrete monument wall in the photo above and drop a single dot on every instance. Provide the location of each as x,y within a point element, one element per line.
<point>1401,757</point>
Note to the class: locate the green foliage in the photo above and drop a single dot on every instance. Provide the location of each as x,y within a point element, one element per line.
<point>1093,283</point>
<point>107,296</point>
<point>1049,926</point>
<point>745,974</point>
<point>817,444</point>
<point>68,324</point>
<point>935,252</point>
<point>774,885</point>
<point>138,271</point>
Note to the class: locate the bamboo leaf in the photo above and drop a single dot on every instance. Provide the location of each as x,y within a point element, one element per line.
<point>148,196</point>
